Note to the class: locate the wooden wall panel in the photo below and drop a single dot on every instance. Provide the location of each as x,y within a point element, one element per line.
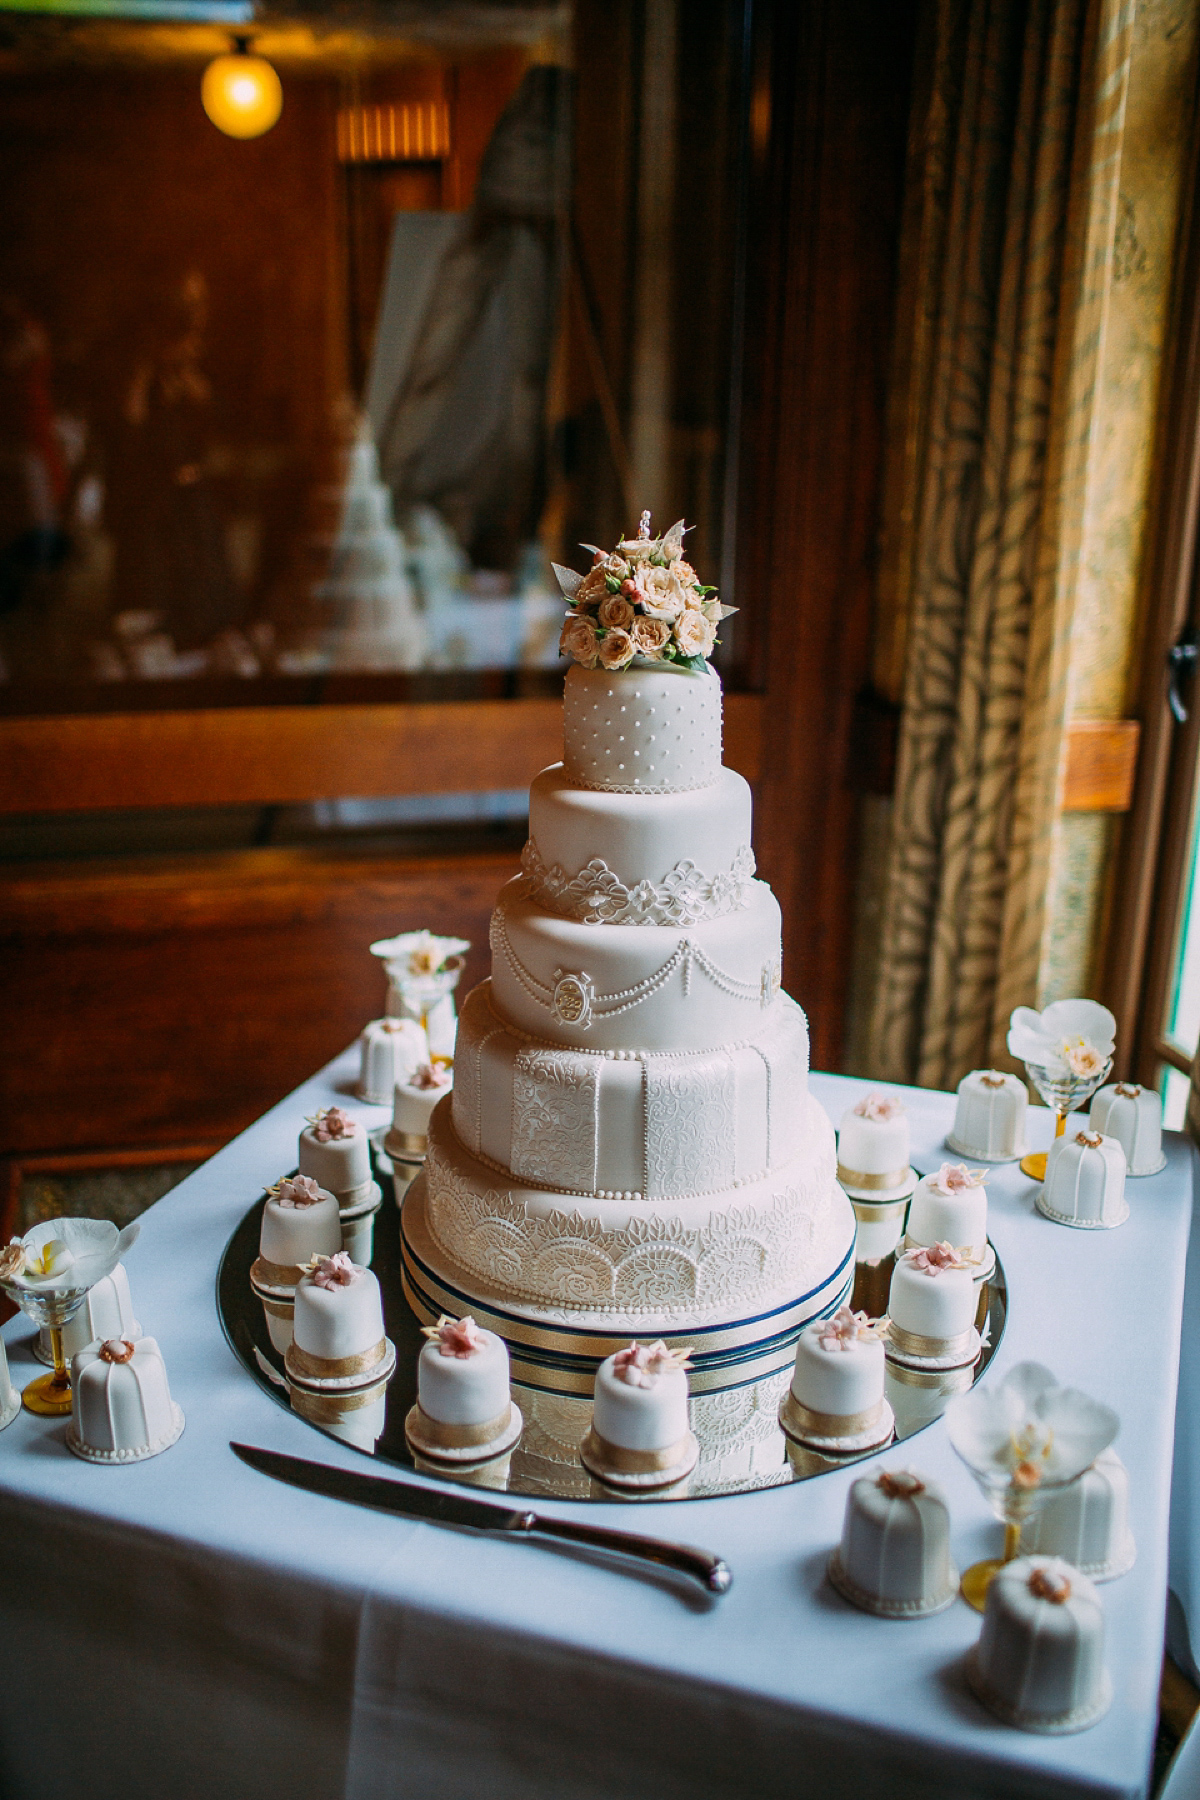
<point>153,1004</point>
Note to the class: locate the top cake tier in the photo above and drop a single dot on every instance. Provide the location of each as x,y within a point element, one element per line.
<point>655,731</point>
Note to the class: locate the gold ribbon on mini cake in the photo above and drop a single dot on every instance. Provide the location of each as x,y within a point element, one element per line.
<point>270,1274</point>
<point>434,1432</point>
<point>912,1343</point>
<point>875,1183</point>
<point>822,1424</point>
<point>406,1144</point>
<point>632,1462</point>
<point>329,1409</point>
<point>331,1368</point>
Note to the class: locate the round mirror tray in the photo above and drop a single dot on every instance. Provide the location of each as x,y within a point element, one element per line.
<point>742,1447</point>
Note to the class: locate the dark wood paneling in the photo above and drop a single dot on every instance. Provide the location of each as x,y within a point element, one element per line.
<point>832,123</point>
<point>148,1005</point>
<point>254,755</point>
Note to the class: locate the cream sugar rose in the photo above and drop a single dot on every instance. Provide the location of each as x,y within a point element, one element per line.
<point>640,1435</point>
<point>464,1411</point>
<point>836,1394</point>
<point>931,1309</point>
<point>337,1334</point>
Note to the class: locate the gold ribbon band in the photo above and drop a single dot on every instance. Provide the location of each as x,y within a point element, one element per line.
<point>330,1368</point>
<point>349,1198</point>
<point>876,1183</point>
<point>405,1143</point>
<point>277,1309</point>
<point>329,1409</point>
<point>823,1424</point>
<point>911,1343</point>
<point>462,1437</point>
<point>633,1462</point>
<point>269,1274</point>
<point>878,1212</point>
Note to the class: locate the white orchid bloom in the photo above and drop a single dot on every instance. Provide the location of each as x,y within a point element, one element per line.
<point>1071,1037</point>
<point>63,1255</point>
<point>417,955</point>
<point>1029,1431</point>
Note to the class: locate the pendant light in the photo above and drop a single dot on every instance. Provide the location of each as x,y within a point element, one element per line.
<point>241,93</point>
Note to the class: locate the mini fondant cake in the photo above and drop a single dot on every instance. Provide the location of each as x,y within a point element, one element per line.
<point>337,1330</point>
<point>931,1308</point>
<point>300,1221</point>
<point>464,1409</point>
<point>1087,1523</point>
<point>1039,1662</point>
<point>390,1050</point>
<point>836,1394</point>
<point>640,1435</point>
<point>1133,1115</point>
<point>414,1101</point>
<point>950,1206</point>
<point>873,1149</point>
<point>107,1312</point>
<point>1085,1182</point>
<point>989,1119</point>
<point>10,1400</point>
<point>121,1406</point>
<point>894,1557</point>
<point>335,1153</point>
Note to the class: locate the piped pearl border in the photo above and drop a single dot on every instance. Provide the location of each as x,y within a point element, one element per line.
<point>138,1453</point>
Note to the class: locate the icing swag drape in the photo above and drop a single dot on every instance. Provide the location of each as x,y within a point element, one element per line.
<point>1012,198</point>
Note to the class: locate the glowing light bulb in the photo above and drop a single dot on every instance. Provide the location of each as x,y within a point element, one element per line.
<point>241,93</point>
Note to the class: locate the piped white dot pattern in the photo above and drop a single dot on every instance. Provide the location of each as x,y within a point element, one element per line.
<point>654,731</point>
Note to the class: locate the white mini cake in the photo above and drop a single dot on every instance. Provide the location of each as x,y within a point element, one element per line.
<point>10,1400</point>
<point>390,1050</point>
<point>931,1305</point>
<point>873,1149</point>
<point>107,1312</point>
<point>336,1154</point>
<point>1085,1182</point>
<point>836,1394</point>
<point>989,1119</point>
<point>464,1409</point>
<point>121,1406</point>
<point>894,1557</point>
<point>1039,1662</point>
<point>337,1331</point>
<point>1087,1523</point>
<point>300,1221</point>
<point>640,1435</point>
<point>1133,1115</point>
<point>950,1207</point>
<point>414,1101</point>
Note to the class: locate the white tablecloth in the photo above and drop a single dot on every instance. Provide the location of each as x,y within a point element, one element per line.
<point>187,1627</point>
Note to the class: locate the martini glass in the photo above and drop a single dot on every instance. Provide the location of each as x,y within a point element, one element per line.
<point>93,1247</point>
<point>1064,1092</point>
<point>1023,1442</point>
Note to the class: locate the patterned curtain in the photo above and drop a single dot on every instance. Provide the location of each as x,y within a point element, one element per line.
<point>1011,209</point>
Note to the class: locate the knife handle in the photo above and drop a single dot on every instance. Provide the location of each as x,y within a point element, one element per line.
<point>709,1570</point>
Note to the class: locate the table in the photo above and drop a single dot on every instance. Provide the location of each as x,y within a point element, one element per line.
<point>186,1627</point>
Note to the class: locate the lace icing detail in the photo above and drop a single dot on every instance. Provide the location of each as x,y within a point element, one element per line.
<point>584,1003</point>
<point>646,1266</point>
<point>555,1123</point>
<point>690,1126</point>
<point>596,896</point>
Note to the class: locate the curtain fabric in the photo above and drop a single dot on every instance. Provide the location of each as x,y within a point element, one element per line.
<point>1017,175</point>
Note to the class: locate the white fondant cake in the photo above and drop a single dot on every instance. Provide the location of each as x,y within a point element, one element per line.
<point>335,1153</point>
<point>894,1557</point>
<point>339,1313</point>
<point>300,1220</point>
<point>121,1406</point>
<point>989,1118</point>
<point>873,1147</point>
<point>464,1410</point>
<point>931,1305</point>
<point>390,1050</point>
<point>630,1146</point>
<point>1132,1115</point>
<point>1085,1182</point>
<point>950,1207</point>
<point>1039,1662</point>
<point>1087,1523</point>
<point>640,1435</point>
<point>413,1102</point>
<point>10,1400</point>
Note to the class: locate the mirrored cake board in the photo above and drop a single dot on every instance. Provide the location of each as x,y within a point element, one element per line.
<point>742,1447</point>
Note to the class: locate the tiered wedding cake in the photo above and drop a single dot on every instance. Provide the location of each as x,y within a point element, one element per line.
<point>631,1148</point>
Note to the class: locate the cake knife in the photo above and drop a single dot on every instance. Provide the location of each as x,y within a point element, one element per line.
<point>480,1515</point>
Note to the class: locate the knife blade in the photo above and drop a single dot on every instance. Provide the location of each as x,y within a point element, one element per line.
<point>442,1508</point>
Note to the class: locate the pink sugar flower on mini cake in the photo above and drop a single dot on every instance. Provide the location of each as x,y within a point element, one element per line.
<point>956,1178</point>
<point>845,1329</point>
<point>297,1190</point>
<point>640,1363</point>
<point>430,1075</point>
<point>455,1337</point>
<point>333,1123</point>
<point>334,1271</point>
<point>935,1259</point>
<point>879,1108</point>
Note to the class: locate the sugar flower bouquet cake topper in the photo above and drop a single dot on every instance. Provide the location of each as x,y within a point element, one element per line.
<point>332,1123</point>
<point>429,1075</point>
<point>459,1338</point>
<point>1071,1038</point>
<point>639,1364</point>
<point>296,1190</point>
<point>334,1271</point>
<point>956,1178</point>
<point>846,1329</point>
<point>879,1108</point>
<point>641,600</point>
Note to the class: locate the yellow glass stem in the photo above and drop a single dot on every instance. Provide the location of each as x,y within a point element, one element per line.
<point>1060,1124</point>
<point>1012,1542</point>
<point>62,1377</point>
